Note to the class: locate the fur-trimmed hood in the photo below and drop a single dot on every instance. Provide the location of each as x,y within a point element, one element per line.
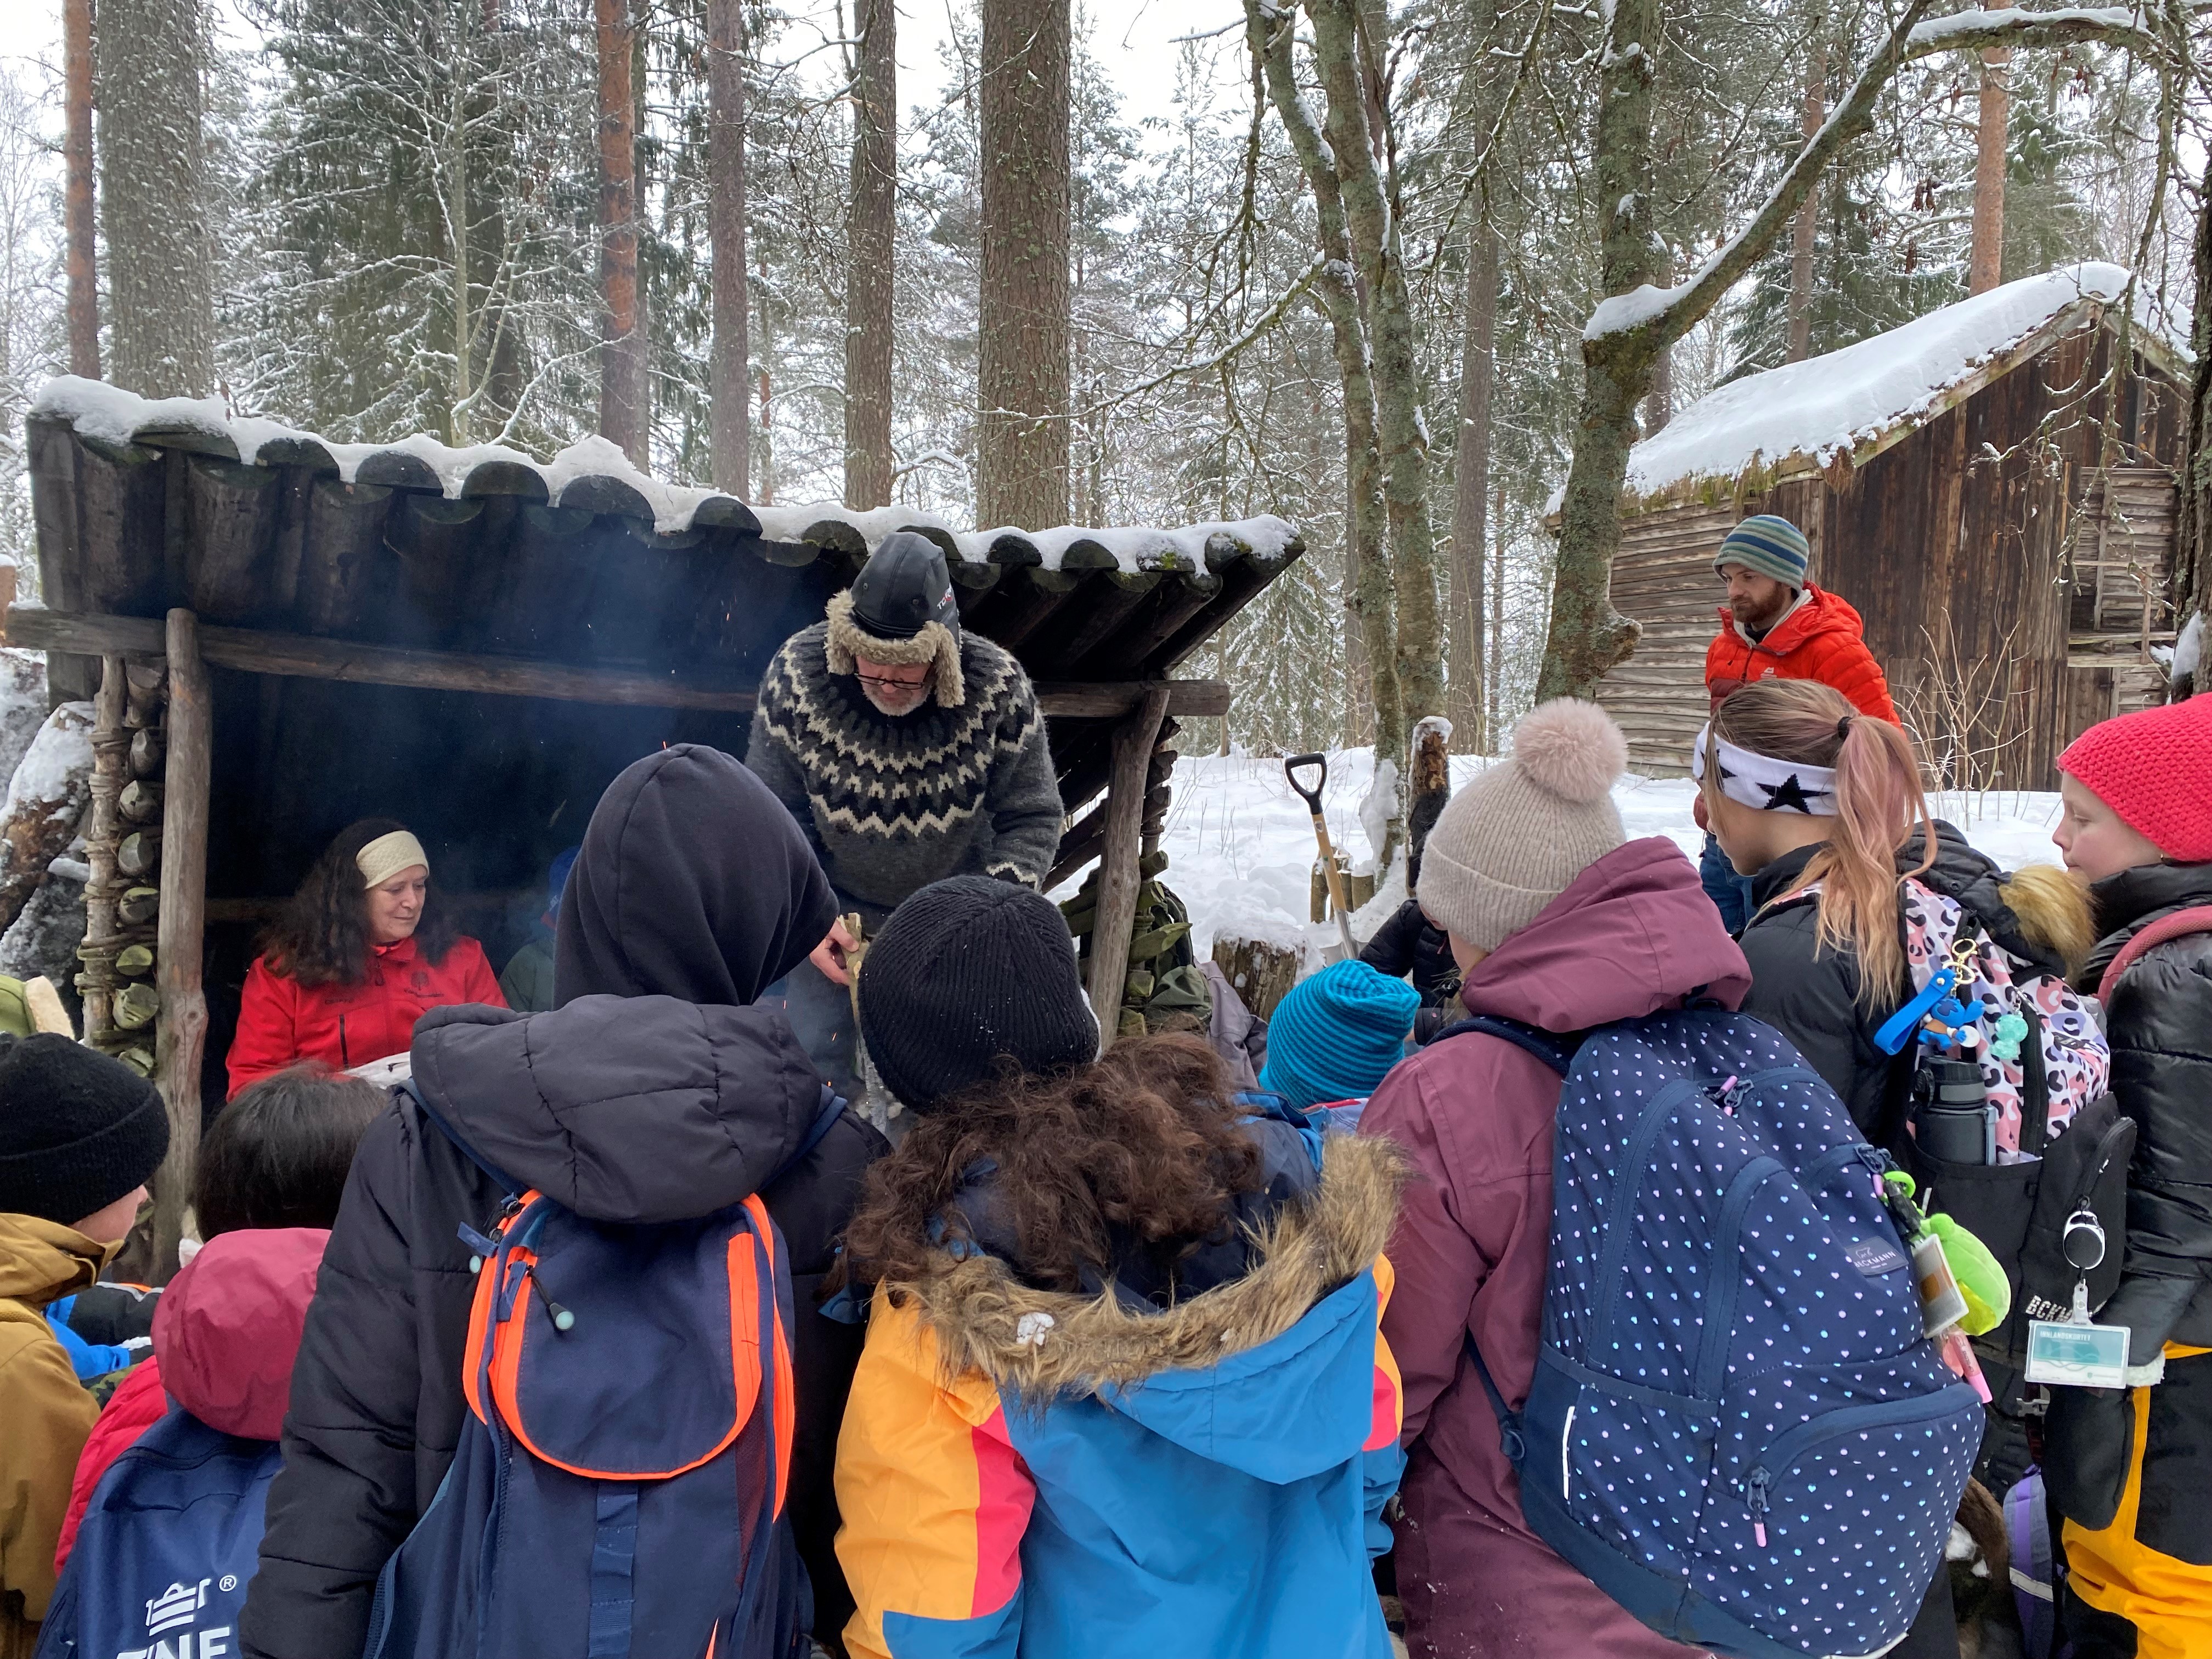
<point>1038,1344</point>
<point>847,641</point>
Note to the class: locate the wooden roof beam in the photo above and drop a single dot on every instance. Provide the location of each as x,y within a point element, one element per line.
<point>307,657</point>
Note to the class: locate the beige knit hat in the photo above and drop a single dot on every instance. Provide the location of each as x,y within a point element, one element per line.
<point>1516,838</point>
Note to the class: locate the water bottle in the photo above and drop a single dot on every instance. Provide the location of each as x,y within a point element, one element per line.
<point>1952,1118</point>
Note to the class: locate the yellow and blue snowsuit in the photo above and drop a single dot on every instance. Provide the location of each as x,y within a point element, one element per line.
<point>1052,1476</point>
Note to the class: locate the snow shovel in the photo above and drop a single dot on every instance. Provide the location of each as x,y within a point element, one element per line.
<point>1312,797</point>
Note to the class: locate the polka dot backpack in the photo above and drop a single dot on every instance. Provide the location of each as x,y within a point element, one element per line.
<point>1735,1428</point>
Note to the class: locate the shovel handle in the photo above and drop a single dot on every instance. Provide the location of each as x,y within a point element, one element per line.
<point>1311,796</point>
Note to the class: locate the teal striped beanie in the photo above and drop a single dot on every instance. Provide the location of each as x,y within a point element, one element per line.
<point>1336,1033</point>
<point>1773,547</point>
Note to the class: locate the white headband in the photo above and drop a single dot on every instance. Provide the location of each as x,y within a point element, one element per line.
<point>387,856</point>
<point>1761,781</point>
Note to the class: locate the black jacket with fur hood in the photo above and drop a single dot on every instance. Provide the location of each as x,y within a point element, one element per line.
<point>651,1093</point>
<point>1811,995</point>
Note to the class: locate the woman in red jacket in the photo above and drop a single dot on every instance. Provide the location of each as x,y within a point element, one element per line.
<point>363,951</point>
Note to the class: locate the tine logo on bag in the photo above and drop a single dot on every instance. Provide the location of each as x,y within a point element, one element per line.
<point>175,1607</point>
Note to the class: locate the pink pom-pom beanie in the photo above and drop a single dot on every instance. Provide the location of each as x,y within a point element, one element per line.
<point>1516,838</point>
<point>2153,767</point>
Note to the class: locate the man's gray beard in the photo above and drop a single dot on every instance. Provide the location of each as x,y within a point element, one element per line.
<point>894,714</point>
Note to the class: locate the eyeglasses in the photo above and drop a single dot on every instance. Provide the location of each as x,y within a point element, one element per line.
<point>887,684</point>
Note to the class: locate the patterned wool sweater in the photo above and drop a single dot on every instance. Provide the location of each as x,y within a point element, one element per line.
<point>893,803</point>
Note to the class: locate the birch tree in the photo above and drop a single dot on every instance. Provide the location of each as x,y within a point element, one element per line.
<point>1640,319</point>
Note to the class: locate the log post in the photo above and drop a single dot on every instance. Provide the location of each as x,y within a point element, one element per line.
<point>1118,873</point>
<point>96,980</point>
<point>181,1035</point>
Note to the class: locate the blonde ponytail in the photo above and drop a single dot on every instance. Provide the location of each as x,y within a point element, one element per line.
<point>1879,804</point>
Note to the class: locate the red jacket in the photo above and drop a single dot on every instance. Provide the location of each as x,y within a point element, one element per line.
<point>229,1327</point>
<point>1822,639</point>
<point>282,1021</point>
<point>1634,934</point>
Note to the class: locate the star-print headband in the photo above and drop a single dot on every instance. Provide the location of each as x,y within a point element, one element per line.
<point>1762,781</point>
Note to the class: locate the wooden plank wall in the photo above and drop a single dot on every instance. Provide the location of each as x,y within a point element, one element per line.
<point>1663,578</point>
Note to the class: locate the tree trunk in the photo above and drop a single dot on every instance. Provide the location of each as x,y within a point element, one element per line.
<point>77,155</point>
<point>730,422</point>
<point>1985,263</point>
<point>1659,402</point>
<point>1807,232</point>
<point>1418,645</point>
<point>1366,575</point>
<point>2192,586</point>
<point>622,365</point>
<point>1471,486</point>
<point>153,183</point>
<point>1022,438</point>
<point>869,243</point>
<point>1588,636</point>
<point>1497,702</point>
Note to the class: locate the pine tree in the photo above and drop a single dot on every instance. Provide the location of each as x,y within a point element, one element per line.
<point>151,55</point>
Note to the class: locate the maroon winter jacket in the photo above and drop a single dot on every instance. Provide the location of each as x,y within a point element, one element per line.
<point>1634,934</point>
<point>225,1336</point>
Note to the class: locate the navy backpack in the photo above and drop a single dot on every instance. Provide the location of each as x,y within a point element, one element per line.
<point>1736,1429</point>
<point>619,1484</point>
<point>168,1545</point>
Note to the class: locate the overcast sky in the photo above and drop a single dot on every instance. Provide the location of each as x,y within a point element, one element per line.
<point>1134,38</point>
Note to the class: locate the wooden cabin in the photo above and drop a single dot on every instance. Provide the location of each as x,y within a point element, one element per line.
<point>1993,487</point>
<point>282,635</point>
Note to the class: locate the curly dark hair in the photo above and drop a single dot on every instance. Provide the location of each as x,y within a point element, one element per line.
<point>322,937</point>
<point>1142,1144</point>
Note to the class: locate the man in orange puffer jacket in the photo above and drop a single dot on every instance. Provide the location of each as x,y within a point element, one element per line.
<point>1778,626</point>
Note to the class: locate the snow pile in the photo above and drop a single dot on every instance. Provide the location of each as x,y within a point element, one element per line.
<point>99,411</point>
<point>1810,412</point>
<point>1240,844</point>
<point>2189,656</point>
<point>22,705</point>
<point>1133,548</point>
<point>57,769</point>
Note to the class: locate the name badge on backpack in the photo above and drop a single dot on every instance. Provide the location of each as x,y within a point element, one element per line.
<point>2071,1353</point>
<point>2082,1356</point>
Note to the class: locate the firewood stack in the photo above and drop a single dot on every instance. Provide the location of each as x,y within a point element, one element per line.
<point>123,848</point>
<point>1156,940</point>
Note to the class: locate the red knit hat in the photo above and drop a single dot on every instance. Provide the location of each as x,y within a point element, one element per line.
<point>2153,767</point>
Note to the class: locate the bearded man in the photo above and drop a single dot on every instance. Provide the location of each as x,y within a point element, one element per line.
<point>908,751</point>
<point>1777,625</point>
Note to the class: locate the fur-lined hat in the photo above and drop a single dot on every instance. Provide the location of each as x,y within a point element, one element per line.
<point>901,610</point>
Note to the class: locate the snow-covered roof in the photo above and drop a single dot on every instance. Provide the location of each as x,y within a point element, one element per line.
<point>594,474</point>
<point>1855,403</point>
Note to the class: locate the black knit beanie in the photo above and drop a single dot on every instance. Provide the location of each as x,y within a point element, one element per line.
<point>77,1130</point>
<point>966,971</point>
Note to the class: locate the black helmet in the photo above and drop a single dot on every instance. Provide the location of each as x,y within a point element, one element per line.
<point>903,587</point>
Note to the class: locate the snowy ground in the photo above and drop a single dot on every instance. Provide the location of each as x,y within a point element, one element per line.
<point>1240,844</point>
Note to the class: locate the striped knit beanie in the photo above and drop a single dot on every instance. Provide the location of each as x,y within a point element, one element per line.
<point>1335,1034</point>
<point>1773,547</point>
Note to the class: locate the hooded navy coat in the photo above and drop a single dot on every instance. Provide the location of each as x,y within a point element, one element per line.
<point>653,1091</point>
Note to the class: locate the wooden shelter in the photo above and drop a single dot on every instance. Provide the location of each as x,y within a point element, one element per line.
<point>282,635</point>
<point>1993,487</point>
